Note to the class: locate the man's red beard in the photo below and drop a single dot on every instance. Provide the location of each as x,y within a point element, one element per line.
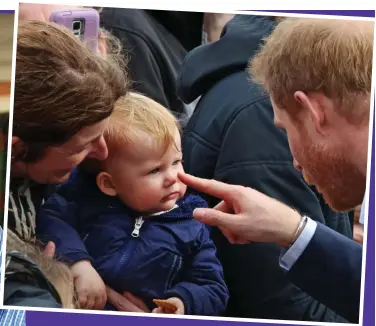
<point>339,181</point>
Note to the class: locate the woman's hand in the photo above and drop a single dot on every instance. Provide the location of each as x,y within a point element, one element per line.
<point>49,249</point>
<point>126,302</point>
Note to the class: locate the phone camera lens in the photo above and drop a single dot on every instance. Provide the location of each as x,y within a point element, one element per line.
<point>77,26</point>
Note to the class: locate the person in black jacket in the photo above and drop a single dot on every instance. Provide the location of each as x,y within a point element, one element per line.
<point>231,138</point>
<point>155,43</point>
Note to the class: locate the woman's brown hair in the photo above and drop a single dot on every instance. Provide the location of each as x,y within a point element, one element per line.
<point>60,86</point>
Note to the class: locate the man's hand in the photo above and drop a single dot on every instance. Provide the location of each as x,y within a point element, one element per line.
<point>90,288</point>
<point>244,214</point>
<point>126,302</point>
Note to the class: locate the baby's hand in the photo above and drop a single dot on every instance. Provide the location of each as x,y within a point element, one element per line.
<point>91,290</point>
<point>176,302</point>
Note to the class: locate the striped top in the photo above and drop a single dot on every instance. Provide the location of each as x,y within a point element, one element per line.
<point>25,199</point>
<point>22,210</point>
<point>10,317</point>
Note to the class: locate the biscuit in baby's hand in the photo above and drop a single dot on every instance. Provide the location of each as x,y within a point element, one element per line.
<point>164,304</point>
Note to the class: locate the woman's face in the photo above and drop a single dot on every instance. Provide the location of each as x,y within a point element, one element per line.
<point>57,162</point>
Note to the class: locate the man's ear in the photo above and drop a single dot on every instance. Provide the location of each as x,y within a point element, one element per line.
<point>105,184</point>
<point>313,109</point>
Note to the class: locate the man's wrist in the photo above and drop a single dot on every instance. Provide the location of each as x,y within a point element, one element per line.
<point>291,229</point>
<point>291,254</point>
<point>298,232</point>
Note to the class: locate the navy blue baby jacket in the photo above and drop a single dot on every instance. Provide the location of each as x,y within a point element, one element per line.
<point>162,256</point>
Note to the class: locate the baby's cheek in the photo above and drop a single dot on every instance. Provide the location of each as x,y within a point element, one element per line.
<point>183,188</point>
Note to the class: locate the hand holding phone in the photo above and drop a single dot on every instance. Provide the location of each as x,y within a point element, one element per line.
<point>84,23</point>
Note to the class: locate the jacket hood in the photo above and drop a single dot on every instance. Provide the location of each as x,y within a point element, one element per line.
<point>207,64</point>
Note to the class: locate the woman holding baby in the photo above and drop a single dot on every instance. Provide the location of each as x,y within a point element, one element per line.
<point>64,100</point>
<point>64,95</point>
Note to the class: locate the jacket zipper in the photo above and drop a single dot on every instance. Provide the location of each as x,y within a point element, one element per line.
<point>129,245</point>
<point>137,227</point>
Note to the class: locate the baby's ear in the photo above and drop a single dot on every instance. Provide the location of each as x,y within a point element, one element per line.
<point>105,184</point>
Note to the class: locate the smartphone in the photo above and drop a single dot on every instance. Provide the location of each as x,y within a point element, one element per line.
<point>84,23</point>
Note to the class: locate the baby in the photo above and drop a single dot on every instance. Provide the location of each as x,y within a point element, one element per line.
<point>132,220</point>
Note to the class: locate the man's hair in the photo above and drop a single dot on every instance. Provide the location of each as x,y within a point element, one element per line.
<point>60,86</point>
<point>134,113</point>
<point>318,55</point>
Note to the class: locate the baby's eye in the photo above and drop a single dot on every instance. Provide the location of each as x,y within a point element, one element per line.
<point>176,162</point>
<point>154,171</point>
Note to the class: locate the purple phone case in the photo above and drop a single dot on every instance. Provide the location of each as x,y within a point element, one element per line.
<point>91,17</point>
